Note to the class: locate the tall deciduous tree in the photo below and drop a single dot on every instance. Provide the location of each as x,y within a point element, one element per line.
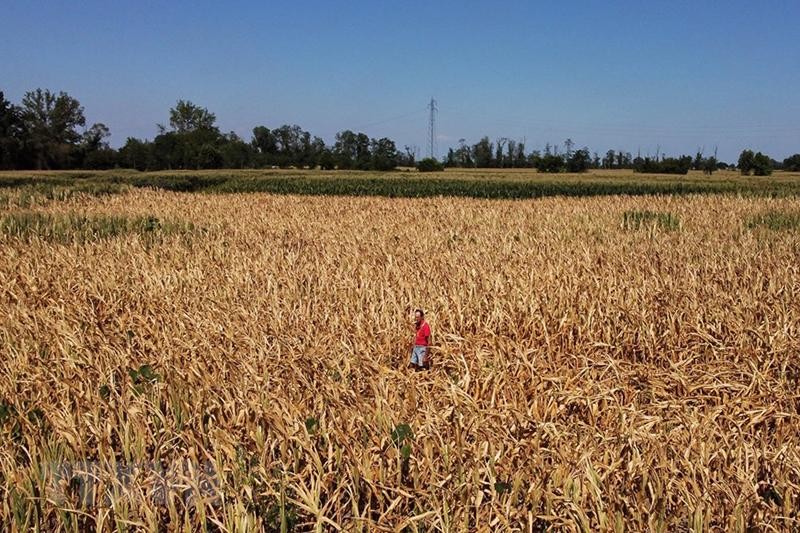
<point>384,154</point>
<point>136,154</point>
<point>746,162</point>
<point>610,159</point>
<point>51,121</point>
<point>482,153</point>
<point>94,148</point>
<point>762,165</point>
<point>344,149</point>
<point>186,117</point>
<point>10,134</point>
<point>792,163</point>
<point>263,140</point>
<point>95,137</point>
<point>579,160</point>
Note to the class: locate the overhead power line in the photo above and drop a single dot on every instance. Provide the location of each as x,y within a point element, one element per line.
<point>392,119</point>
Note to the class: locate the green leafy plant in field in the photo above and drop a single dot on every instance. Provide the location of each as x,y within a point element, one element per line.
<point>774,220</point>
<point>6,412</point>
<point>634,220</point>
<point>312,425</point>
<point>11,418</point>
<point>142,377</point>
<point>281,516</point>
<point>105,392</point>
<point>402,435</point>
<point>502,487</point>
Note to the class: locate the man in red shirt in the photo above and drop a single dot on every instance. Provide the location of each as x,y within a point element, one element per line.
<point>420,355</point>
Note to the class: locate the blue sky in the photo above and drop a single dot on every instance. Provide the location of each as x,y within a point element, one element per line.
<point>635,75</point>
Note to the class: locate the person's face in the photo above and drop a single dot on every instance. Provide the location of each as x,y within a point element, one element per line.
<point>417,317</point>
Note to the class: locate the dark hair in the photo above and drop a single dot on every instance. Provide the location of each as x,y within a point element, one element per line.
<point>421,312</point>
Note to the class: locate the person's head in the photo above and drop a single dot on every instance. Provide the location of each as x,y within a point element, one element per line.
<point>419,316</point>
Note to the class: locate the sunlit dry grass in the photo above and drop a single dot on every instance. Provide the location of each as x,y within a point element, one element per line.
<point>588,374</point>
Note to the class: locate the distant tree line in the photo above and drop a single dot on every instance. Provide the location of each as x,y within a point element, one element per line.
<point>43,132</point>
<point>507,153</point>
<point>48,131</point>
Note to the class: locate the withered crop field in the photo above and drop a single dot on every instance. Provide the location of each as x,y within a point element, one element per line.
<point>238,362</point>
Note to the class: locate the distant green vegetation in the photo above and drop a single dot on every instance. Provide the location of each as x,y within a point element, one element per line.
<point>420,187</point>
<point>25,193</point>
<point>81,228</point>
<point>61,186</point>
<point>775,220</point>
<point>645,219</point>
<point>429,164</point>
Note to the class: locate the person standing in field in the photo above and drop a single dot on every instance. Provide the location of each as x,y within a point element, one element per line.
<point>420,352</point>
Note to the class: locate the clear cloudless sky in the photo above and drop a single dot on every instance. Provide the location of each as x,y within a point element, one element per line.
<point>669,75</point>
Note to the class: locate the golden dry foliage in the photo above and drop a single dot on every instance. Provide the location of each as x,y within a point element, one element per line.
<point>587,375</point>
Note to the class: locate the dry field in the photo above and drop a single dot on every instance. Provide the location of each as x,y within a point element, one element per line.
<point>237,362</point>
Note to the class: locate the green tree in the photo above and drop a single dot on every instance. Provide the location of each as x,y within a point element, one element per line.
<point>193,142</point>
<point>135,154</point>
<point>709,165</point>
<point>264,144</point>
<point>550,162</point>
<point>326,160</point>
<point>510,159</point>
<point>482,153</point>
<point>608,161</point>
<point>568,146</point>
<point>762,165</point>
<point>363,155</point>
<point>384,154</point>
<point>291,143</point>
<point>95,137</point>
<point>579,160</point>
<point>11,142</point>
<point>167,151</point>
<point>666,165</point>
<point>186,117</point>
<point>51,122</point>
<point>697,164</point>
<point>746,162</point>
<point>95,149</point>
<point>209,156</point>
<point>464,155</point>
<point>792,163</point>
<point>352,150</point>
<point>535,159</point>
<point>499,161</point>
<point>429,164</point>
<point>520,161</point>
<point>450,160</point>
<point>235,152</point>
<point>408,158</point>
<point>345,150</point>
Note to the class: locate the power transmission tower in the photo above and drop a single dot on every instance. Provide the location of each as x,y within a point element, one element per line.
<point>432,128</point>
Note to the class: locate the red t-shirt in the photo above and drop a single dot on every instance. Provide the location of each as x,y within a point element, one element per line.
<point>423,334</point>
